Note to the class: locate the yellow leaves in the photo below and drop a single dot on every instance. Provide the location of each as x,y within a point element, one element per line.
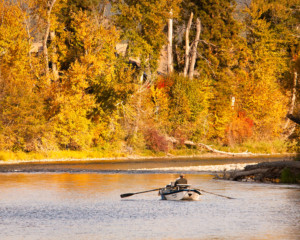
<point>143,25</point>
<point>257,8</point>
<point>11,29</point>
<point>92,36</point>
<point>14,47</point>
<point>161,101</point>
<point>97,44</point>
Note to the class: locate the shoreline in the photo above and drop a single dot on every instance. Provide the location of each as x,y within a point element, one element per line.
<point>138,158</point>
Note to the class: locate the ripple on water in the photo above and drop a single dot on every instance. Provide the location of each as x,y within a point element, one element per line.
<point>88,206</point>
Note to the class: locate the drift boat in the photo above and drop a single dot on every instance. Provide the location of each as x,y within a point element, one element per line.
<point>179,192</point>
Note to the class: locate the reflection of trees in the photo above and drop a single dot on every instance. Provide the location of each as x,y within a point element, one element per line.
<point>93,186</point>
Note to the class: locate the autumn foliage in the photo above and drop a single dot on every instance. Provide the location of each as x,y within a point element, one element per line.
<point>155,140</point>
<point>65,83</point>
<point>240,129</point>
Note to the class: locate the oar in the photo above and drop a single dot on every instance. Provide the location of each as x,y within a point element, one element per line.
<point>217,194</point>
<point>130,194</point>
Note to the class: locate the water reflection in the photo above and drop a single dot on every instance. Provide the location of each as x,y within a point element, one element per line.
<point>88,206</point>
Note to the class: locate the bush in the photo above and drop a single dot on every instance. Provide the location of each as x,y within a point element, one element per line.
<point>155,141</point>
<point>287,176</point>
<point>239,130</point>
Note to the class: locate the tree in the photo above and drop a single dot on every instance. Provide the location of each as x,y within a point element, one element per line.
<point>284,17</point>
<point>218,53</point>
<point>86,97</point>
<point>170,44</point>
<point>142,24</point>
<point>187,46</point>
<point>22,123</point>
<point>270,40</point>
<point>194,50</point>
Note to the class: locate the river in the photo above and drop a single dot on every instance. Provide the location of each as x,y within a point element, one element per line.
<point>82,200</point>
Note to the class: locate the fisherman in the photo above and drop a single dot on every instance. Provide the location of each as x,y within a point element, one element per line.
<point>180,180</point>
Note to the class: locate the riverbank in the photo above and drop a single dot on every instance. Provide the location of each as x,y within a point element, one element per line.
<point>123,153</point>
<point>140,158</point>
<point>267,172</point>
<point>285,169</point>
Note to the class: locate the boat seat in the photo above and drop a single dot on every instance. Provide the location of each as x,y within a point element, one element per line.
<point>183,186</point>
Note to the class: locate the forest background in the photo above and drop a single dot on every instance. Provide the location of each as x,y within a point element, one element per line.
<point>229,79</point>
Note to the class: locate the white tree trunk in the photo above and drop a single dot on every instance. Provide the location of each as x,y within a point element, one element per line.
<point>293,100</point>
<point>54,65</point>
<point>187,45</point>
<point>194,49</point>
<point>170,37</point>
<point>50,5</point>
<point>294,93</point>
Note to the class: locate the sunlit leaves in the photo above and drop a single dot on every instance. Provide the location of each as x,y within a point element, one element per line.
<point>143,23</point>
<point>21,112</point>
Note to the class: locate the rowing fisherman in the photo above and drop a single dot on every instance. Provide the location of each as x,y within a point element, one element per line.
<point>180,180</point>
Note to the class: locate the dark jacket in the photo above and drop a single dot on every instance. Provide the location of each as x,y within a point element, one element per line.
<point>180,180</point>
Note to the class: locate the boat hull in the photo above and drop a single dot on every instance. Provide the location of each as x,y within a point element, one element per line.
<point>181,194</point>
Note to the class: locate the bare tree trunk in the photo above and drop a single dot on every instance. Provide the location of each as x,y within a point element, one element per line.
<point>194,49</point>
<point>29,42</point>
<point>177,52</point>
<point>54,65</point>
<point>50,5</point>
<point>170,36</point>
<point>294,92</point>
<point>293,100</point>
<point>187,46</point>
<point>27,27</point>
<point>138,106</point>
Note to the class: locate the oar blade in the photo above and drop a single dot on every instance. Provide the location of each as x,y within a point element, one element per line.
<point>126,195</point>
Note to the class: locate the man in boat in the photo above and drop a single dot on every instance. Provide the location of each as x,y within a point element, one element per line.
<point>180,180</point>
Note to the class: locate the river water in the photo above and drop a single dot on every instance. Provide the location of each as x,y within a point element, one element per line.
<point>82,201</point>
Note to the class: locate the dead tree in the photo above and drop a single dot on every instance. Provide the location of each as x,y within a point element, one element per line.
<point>170,37</point>
<point>50,5</point>
<point>194,49</point>
<point>191,51</point>
<point>187,45</point>
<point>266,171</point>
<point>54,64</point>
<point>293,102</point>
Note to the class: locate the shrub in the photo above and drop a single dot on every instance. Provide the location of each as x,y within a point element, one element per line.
<point>239,130</point>
<point>287,176</point>
<point>155,141</point>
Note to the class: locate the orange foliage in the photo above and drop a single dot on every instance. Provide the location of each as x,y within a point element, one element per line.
<point>165,82</point>
<point>239,129</point>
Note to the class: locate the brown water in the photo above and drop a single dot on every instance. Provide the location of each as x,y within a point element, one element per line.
<point>86,204</point>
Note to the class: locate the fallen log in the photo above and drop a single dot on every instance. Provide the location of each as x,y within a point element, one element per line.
<point>223,152</point>
<point>190,143</point>
<point>267,172</point>
<point>241,174</point>
<point>277,164</point>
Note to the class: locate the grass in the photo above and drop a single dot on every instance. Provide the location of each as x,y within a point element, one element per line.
<point>7,155</point>
<point>110,151</point>
<point>264,147</point>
